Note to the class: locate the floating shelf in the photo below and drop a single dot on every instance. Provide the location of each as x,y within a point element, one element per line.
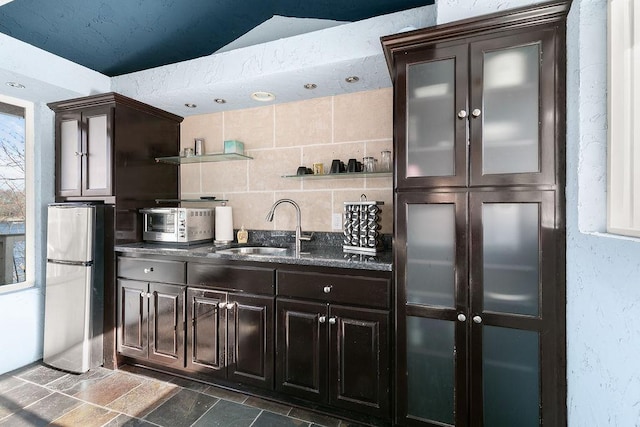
<point>341,175</point>
<point>217,157</point>
<point>159,201</point>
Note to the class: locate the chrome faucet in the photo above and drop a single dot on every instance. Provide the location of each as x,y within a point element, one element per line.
<point>299,235</point>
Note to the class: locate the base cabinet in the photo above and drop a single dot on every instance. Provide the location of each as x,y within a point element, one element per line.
<point>333,354</point>
<point>230,336</point>
<point>151,322</point>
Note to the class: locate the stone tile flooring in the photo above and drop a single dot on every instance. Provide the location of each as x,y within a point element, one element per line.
<point>38,395</point>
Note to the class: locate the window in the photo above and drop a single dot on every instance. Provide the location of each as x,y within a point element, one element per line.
<point>623,188</point>
<point>16,194</point>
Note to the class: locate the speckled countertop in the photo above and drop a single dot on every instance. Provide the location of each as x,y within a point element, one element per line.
<point>325,251</point>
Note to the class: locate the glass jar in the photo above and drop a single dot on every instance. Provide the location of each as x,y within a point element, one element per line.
<point>368,164</point>
<point>385,161</point>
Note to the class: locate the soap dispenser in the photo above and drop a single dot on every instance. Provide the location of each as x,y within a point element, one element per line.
<point>243,235</point>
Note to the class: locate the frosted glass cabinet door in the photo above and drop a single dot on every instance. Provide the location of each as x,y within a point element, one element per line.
<point>433,151</point>
<point>432,265</point>
<point>97,161</point>
<point>69,158</point>
<point>511,112</point>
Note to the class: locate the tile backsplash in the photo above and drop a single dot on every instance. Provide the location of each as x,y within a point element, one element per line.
<point>282,137</point>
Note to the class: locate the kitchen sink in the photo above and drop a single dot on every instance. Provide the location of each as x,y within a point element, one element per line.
<point>254,250</point>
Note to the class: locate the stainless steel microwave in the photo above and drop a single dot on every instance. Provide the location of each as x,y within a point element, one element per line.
<point>177,225</point>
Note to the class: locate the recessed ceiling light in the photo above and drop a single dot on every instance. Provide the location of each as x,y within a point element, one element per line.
<point>220,101</point>
<point>310,86</point>
<point>263,96</point>
<point>190,105</point>
<point>352,79</point>
<point>16,85</point>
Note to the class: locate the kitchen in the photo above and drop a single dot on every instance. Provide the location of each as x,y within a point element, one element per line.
<point>589,338</point>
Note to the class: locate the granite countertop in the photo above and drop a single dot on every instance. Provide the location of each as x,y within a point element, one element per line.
<point>323,252</point>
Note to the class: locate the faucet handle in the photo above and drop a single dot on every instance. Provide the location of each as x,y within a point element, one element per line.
<point>306,237</point>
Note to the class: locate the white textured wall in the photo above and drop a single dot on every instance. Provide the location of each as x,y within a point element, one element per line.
<point>603,271</point>
<point>47,78</point>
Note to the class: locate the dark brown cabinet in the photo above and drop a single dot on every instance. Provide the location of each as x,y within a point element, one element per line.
<point>230,328</point>
<point>151,321</point>
<point>150,315</point>
<point>230,336</point>
<point>105,149</point>
<point>479,229</point>
<point>332,353</point>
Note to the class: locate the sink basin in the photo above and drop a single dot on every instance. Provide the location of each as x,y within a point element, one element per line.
<point>254,250</point>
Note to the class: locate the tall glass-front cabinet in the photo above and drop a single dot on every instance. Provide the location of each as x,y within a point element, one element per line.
<point>479,220</point>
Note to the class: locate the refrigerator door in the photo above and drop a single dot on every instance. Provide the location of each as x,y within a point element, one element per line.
<point>69,341</point>
<point>70,232</point>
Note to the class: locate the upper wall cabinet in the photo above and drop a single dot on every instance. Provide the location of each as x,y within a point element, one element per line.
<point>106,145</point>
<point>476,107</point>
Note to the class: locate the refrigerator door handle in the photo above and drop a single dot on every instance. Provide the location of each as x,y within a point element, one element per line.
<point>82,263</point>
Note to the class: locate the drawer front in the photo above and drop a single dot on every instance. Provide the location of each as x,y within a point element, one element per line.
<point>335,288</point>
<point>151,270</point>
<point>253,280</point>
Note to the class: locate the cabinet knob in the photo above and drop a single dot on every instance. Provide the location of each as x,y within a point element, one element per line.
<point>332,320</point>
<point>222,304</point>
<point>143,294</point>
<point>477,319</point>
<point>80,153</point>
<point>462,317</point>
<point>230,306</point>
<point>462,114</point>
<point>476,112</point>
<point>148,270</point>
<point>322,319</point>
<point>327,289</point>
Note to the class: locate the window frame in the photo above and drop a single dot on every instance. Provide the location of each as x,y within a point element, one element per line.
<point>623,145</point>
<point>29,193</point>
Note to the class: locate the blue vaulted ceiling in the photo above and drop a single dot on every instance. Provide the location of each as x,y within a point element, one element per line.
<point>117,37</point>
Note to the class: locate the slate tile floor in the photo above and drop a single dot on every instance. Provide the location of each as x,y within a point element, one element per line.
<point>38,395</point>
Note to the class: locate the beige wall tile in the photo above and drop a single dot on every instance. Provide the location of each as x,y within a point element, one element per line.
<point>219,177</point>
<point>250,210</point>
<point>363,116</point>
<point>190,178</point>
<point>253,126</point>
<point>304,133</point>
<point>303,123</point>
<point>315,207</point>
<point>268,166</point>
<point>207,126</point>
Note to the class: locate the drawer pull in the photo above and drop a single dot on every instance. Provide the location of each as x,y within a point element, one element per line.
<point>332,320</point>
<point>322,319</point>
<point>327,289</point>
<point>148,270</point>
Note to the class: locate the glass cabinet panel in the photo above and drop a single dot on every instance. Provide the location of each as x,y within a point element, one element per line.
<point>511,261</point>
<point>431,254</point>
<point>430,119</point>
<point>511,382</point>
<point>430,361</point>
<point>510,140</point>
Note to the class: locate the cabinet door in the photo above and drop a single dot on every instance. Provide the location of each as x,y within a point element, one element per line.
<point>512,109</point>
<point>207,331</point>
<point>431,340</point>
<point>250,344</point>
<point>97,162</point>
<point>68,154</point>
<point>301,349</point>
<point>166,324</point>
<point>430,124</point>
<point>359,360</point>
<point>513,309</point>
<point>132,318</point>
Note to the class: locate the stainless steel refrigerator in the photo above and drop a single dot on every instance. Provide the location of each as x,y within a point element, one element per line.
<point>74,288</point>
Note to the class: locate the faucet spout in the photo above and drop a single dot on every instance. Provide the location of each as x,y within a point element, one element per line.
<point>272,211</point>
